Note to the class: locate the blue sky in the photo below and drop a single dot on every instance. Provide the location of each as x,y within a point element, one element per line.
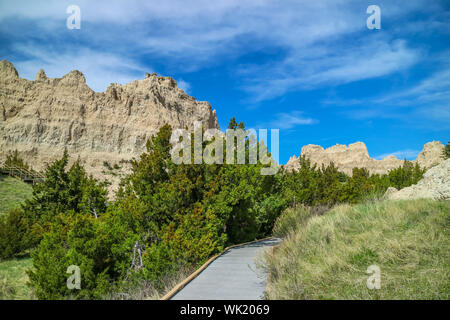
<point>309,68</point>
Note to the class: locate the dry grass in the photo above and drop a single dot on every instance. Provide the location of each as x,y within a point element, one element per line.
<point>326,257</point>
<point>145,290</point>
<point>13,279</point>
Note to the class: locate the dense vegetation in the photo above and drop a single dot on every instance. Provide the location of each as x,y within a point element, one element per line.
<point>447,151</point>
<point>326,257</point>
<point>314,186</point>
<point>166,218</point>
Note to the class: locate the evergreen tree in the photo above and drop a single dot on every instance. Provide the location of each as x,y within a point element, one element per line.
<point>446,151</point>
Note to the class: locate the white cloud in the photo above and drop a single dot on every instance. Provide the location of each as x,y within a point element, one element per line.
<point>424,104</point>
<point>323,42</point>
<point>401,154</point>
<point>435,87</point>
<point>184,85</point>
<point>375,59</point>
<point>100,68</point>
<point>288,121</point>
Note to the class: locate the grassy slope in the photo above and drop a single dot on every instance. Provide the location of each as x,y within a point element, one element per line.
<point>12,193</point>
<point>13,276</point>
<point>327,256</point>
<point>12,272</point>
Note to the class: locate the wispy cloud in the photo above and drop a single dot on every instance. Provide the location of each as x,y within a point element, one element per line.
<point>288,121</point>
<point>184,85</point>
<point>99,67</point>
<point>431,89</point>
<point>375,59</point>
<point>400,154</point>
<point>426,99</point>
<point>322,42</point>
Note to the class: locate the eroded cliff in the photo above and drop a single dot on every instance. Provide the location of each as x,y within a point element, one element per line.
<point>42,117</point>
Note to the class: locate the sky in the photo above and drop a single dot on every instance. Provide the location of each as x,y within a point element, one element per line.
<point>312,69</point>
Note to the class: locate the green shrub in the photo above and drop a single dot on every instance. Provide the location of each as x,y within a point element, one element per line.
<point>102,249</point>
<point>160,262</point>
<point>446,152</point>
<point>406,175</point>
<point>194,237</point>
<point>14,237</point>
<point>267,211</point>
<point>314,186</point>
<point>65,190</point>
<point>61,192</point>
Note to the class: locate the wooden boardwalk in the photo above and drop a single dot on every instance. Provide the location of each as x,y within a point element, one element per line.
<point>29,176</point>
<point>232,276</point>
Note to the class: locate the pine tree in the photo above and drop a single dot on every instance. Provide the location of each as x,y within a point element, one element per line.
<point>446,151</point>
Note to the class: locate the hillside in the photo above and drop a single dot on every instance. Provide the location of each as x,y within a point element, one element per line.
<point>326,257</point>
<point>12,193</point>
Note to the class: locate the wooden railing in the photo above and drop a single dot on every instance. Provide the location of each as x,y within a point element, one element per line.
<point>23,174</point>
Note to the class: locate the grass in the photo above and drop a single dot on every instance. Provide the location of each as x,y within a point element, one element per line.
<point>145,290</point>
<point>13,279</point>
<point>326,257</point>
<point>12,272</point>
<point>12,193</point>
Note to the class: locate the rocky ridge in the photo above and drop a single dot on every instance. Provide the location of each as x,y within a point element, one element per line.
<point>356,155</point>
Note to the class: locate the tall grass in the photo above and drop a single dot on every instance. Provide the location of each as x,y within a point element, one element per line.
<point>145,290</point>
<point>326,257</point>
<point>12,193</point>
<point>13,279</point>
<point>294,218</point>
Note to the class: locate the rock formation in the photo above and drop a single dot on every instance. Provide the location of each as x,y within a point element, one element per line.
<point>356,155</point>
<point>435,184</point>
<point>431,154</point>
<point>42,117</point>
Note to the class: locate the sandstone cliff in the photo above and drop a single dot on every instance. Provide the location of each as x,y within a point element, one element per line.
<point>356,155</point>
<point>40,118</point>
